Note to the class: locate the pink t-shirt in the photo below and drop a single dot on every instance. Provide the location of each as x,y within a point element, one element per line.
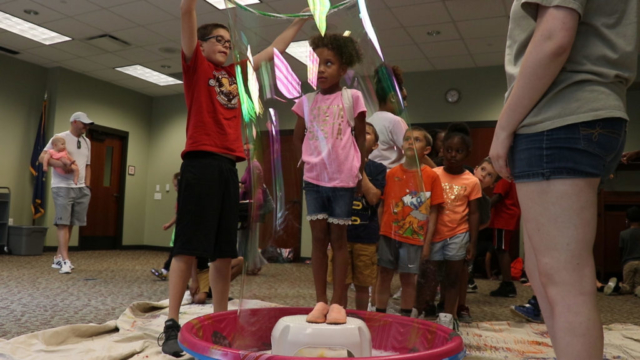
<point>57,156</point>
<point>329,151</point>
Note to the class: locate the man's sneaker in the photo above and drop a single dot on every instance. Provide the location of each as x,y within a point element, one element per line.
<point>472,288</point>
<point>445,319</point>
<point>506,289</point>
<point>159,274</point>
<point>57,262</point>
<point>612,286</point>
<point>464,314</point>
<point>65,268</point>
<point>168,339</point>
<point>530,311</point>
<point>397,295</point>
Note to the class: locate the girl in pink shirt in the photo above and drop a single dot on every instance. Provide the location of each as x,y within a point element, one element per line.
<point>331,142</point>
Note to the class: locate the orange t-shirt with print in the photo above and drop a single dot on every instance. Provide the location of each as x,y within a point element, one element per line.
<point>407,203</point>
<point>459,190</point>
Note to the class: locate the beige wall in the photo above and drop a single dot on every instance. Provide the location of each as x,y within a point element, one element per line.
<point>22,88</point>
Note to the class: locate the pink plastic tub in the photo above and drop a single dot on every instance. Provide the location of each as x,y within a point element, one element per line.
<point>221,336</point>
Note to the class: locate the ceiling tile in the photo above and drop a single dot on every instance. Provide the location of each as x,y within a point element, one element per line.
<point>78,48</point>
<point>473,29</point>
<point>176,88</point>
<point>394,37</point>
<point>176,65</point>
<point>413,65</point>
<point>272,32</point>
<point>382,20</point>
<point>50,53</point>
<point>406,52</point>
<point>489,59</point>
<point>287,6</point>
<point>486,45</point>
<point>138,55</point>
<point>81,65</point>
<point>420,34</point>
<point>159,49</point>
<point>173,7</point>
<point>34,59</point>
<point>375,5</point>
<point>397,3</point>
<point>508,4</point>
<point>475,9</point>
<point>17,42</point>
<point>141,13</point>
<point>252,21</point>
<point>110,3</point>
<point>444,48</point>
<point>135,83</point>
<point>105,20</point>
<point>110,60</point>
<point>73,28</point>
<point>69,7</point>
<point>453,62</point>
<point>215,16</point>
<point>108,75</point>
<point>168,29</point>
<point>16,8</point>
<point>425,14</point>
<point>139,36</point>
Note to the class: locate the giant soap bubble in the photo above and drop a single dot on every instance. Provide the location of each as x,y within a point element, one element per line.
<point>273,186</point>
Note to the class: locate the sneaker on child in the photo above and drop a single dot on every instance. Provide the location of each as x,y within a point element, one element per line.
<point>169,338</point>
<point>612,287</point>
<point>398,295</point>
<point>472,288</point>
<point>162,274</point>
<point>506,289</point>
<point>530,311</point>
<point>65,268</point>
<point>447,320</point>
<point>464,314</point>
<point>57,262</point>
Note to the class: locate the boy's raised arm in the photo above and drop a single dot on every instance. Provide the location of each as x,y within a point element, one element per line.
<point>189,37</point>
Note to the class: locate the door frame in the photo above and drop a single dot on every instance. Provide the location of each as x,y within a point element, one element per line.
<point>124,135</point>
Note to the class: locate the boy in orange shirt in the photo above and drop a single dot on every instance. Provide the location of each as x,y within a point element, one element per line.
<point>408,221</point>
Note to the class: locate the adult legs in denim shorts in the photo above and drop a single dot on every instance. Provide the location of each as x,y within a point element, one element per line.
<point>557,174</point>
<point>329,213</point>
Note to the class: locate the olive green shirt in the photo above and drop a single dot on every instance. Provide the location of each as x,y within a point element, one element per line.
<point>602,65</point>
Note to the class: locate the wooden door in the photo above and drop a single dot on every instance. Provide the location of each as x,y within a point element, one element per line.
<point>481,138</point>
<point>101,232</point>
<point>284,230</point>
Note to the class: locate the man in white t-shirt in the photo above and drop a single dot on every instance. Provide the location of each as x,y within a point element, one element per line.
<point>71,200</point>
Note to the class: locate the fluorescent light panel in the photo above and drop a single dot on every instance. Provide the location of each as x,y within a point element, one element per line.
<point>29,30</point>
<point>222,4</point>
<point>147,74</point>
<point>299,50</point>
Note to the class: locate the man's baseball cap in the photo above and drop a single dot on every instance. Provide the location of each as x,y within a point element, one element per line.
<point>82,117</point>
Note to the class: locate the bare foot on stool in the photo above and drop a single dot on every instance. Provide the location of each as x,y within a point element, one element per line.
<point>337,315</point>
<point>319,314</point>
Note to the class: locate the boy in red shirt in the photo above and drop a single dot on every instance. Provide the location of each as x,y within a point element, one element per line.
<point>408,221</point>
<point>505,220</point>
<point>208,198</point>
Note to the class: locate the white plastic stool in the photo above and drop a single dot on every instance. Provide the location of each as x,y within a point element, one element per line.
<point>293,334</point>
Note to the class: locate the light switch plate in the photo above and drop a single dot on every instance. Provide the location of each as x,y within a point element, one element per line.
<point>157,187</point>
<point>157,196</point>
<point>168,188</point>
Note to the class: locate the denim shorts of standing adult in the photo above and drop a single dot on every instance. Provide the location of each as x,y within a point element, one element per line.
<point>332,203</point>
<point>590,149</point>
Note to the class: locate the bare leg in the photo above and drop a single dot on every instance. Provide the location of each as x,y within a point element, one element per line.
<point>505,264</point>
<point>181,266</point>
<point>64,234</point>
<point>345,296</point>
<point>408,298</point>
<point>561,235</point>
<point>362,297</point>
<point>374,288</point>
<point>487,265</point>
<point>76,173</point>
<point>451,278</point>
<point>427,285</point>
<point>385,275</point>
<point>220,279</point>
<point>236,267</point>
<point>463,285</point>
<point>319,258</point>
<point>338,237</point>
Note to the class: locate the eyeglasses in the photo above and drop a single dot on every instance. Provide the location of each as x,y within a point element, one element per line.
<point>79,144</point>
<point>219,39</point>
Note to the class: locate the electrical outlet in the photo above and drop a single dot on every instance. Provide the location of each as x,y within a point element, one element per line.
<point>10,221</point>
<point>157,187</point>
<point>157,196</point>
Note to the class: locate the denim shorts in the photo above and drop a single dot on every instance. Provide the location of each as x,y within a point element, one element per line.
<point>329,203</point>
<point>590,149</point>
<point>451,249</point>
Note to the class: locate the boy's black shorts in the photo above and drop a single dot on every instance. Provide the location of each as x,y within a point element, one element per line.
<point>208,200</point>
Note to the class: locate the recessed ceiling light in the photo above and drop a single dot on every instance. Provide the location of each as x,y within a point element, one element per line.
<point>346,33</point>
<point>31,12</point>
<point>434,33</point>
<point>147,74</point>
<point>165,66</point>
<point>29,30</point>
<point>223,4</point>
<point>299,50</point>
<point>168,50</point>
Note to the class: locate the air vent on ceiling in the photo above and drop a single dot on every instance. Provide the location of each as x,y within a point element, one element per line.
<point>108,42</point>
<point>8,51</point>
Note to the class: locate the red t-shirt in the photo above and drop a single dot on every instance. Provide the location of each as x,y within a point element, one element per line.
<point>506,214</point>
<point>214,116</point>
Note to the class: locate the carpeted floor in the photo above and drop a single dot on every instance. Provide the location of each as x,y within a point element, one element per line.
<point>33,296</point>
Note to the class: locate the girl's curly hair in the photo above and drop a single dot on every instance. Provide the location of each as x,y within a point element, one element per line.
<point>345,47</point>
